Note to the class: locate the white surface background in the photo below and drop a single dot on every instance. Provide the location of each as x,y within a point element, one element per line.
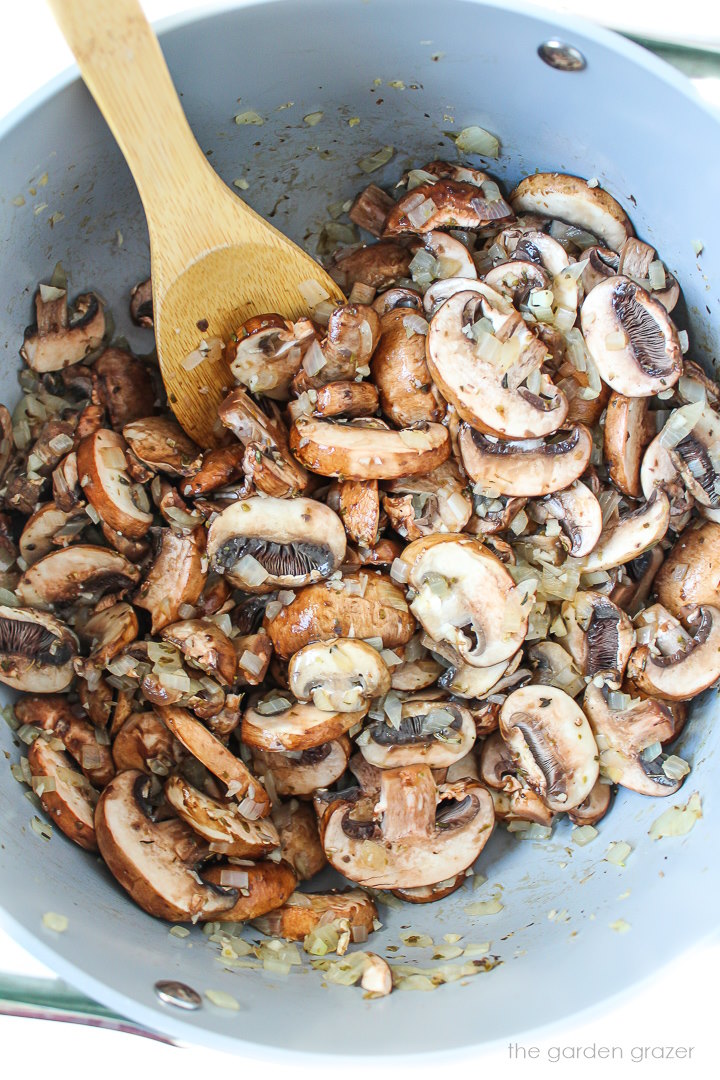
<point>677,1009</point>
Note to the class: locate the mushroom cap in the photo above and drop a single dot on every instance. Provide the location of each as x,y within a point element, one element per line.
<point>220,822</point>
<point>304,772</point>
<point>455,204</point>
<point>143,855</point>
<point>52,342</point>
<point>106,484</point>
<point>473,384</point>
<point>71,806</point>
<point>685,673</point>
<point>650,360</point>
<point>367,449</point>
<point>522,468</point>
<point>266,886</point>
<point>295,541</point>
<point>466,599</point>
<point>79,572</point>
<point>430,731</point>
<point>339,675</point>
<point>624,539</point>
<point>690,575</point>
<point>177,576</point>
<point>579,514</point>
<point>629,427</point>
<point>298,727</point>
<point>549,736</point>
<point>36,651</point>
<point>428,894</point>
<point>300,844</point>
<point>144,743</point>
<point>303,912</point>
<point>160,443</point>
<point>400,371</point>
<point>204,646</point>
<point>570,199</point>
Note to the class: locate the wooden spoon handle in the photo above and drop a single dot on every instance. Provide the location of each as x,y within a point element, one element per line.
<point>123,66</point>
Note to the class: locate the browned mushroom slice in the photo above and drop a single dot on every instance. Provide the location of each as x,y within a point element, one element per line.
<point>571,199</point>
<point>369,605</point>
<point>631,338</point>
<point>349,399</point>
<point>625,538</point>
<point>67,492</point>
<point>263,543</point>
<point>36,651</point>
<point>80,573</point>
<point>525,468</point>
<point>54,714</point>
<point>400,371</point>
<point>161,444</point>
<point>204,646</point>
<point>262,887</point>
<point>600,637</point>
<point>678,666</point>
<point>370,209</point>
<point>476,345</point>
<point>399,297</point>
<point>126,387</point>
<point>434,732</point>
<point>466,600</point>
<point>339,675</point>
<point>368,450</point>
<point>550,738</point>
<point>447,204</point>
<point>264,436</point>
<point>56,339</point>
<point>360,510</point>
<point>378,265</point>
<point>594,807</point>
<point>424,833</point>
<point>109,632</point>
<point>353,331</point>
<point>299,838</point>
<point>102,470</point>
<point>279,723</point>
<point>67,797</point>
<point>303,912</point>
<point>579,514</point>
<point>6,439</point>
<point>176,577</point>
<point>153,861</point>
<point>690,575</point>
<point>623,734</point>
<point>438,502</point>
<point>428,894</point>
<point>143,742</point>
<point>241,784</point>
<point>302,773</point>
<point>220,822</point>
<point>39,536</point>
<point>219,467</point>
<point>141,304</point>
<point>629,427</point>
<point>695,456</point>
<point>266,352</point>
<point>659,471</point>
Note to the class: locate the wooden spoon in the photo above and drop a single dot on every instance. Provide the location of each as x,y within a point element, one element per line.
<point>214,261</point>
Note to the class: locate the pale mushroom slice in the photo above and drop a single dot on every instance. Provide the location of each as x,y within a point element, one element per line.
<point>204,646</point>
<point>572,200</point>
<point>43,529</point>
<point>161,444</point>
<point>476,343</point>
<point>525,468</point>
<point>69,801</point>
<point>633,589</point>
<point>417,834</point>
<point>550,738</point>
<point>466,599</point>
<point>512,798</point>
<point>80,573</point>
<point>579,515</point>
<point>267,461</point>
<point>658,471</point>
<point>400,372</point>
<point>154,861</point>
<point>434,732</point>
<point>594,807</point>
<point>261,886</point>
<point>278,722</point>
<point>398,297</point>
<point>176,577</point>
<point>602,263</point>
<point>516,279</point>
<point>252,797</point>
<point>302,773</point>
<point>368,449</point>
<point>448,204</point>
<point>625,538</point>
<point>441,290</point>
<point>674,664</point>
<point>36,651</point>
<point>304,912</point>
<point>366,605</point>
<point>452,256</point>
<point>599,637</point>
<point>264,543</point>
<point>299,838</point>
<point>55,715</point>
<point>466,681</point>
<point>106,484</point>
<point>353,331</point>
<point>339,675</point>
<point>690,575</point>
<point>623,734</point>
<point>631,338</point>
<point>695,456</point>
<point>629,427</point>
<point>266,352</point>
<point>220,822</point>
<point>420,505</point>
<point>640,262</point>
<point>57,340</point>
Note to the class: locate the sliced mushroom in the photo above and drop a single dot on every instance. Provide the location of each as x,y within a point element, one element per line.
<point>466,599</point>
<point>71,803</point>
<point>544,251</point>
<point>594,807</point>
<point>57,338</point>
<point>144,743</point>
<point>550,738</point>
<point>421,505</point>
<point>680,666</point>
<point>219,467</point>
<point>7,442</point>
<point>473,374</point>
<point>80,573</point>
<point>658,471</point>
<point>693,457</point>
<point>67,492</point>
<point>629,427</point>
<point>636,259</point>
<point>690,575</point>
<point>517,278</point>
<point>349,399</point>
<point>161,444</point>
<point>378,265</point>
<point>299,838</point>
<point>141,304</point>
<point>579,514</point>
<point>54,714</point>
<point>636,585</point>
<point>304,772</point>
<point>600,637</point>
<point>434,732</point>
<point>254,653</point>
<point>622,735</point>
<point>377,608</point>
<point>339,675</point>
<point>267,461</point>
<point>601,264</point>
<point>623,539</point>
<point>359,509</point>
<point>126,387</point>
<point>220,822</point>
<point>441,290</point>
<point>281,723</point>
<point>261,886</point>
<point>303,912</point>
<point>370,209</point>
<point>631,338</point>
<point>368,450</point>
<point>204,646</point>
<point>398,297</point>
<point>400,371</point>
<point>452,255</point>
<point>447,204</point>
<point>572,200</point>
<point>177,576</point>
<point>153,861</point>
<point>422,834</point>
<point>428,894</point>
<point>353,331</point>
<point>36,651</point>
<point>102,470</point>
<point>108,632</point>
<point>524,468</point>
<point>512,798</point>
<point>263,543</point>
<point>40,534</point>
<point>266,352</point>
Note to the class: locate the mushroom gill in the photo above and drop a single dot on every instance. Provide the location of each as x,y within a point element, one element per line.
<point>645,335</point>
<point>280,560</point>
<point>29,639</point>
<point>536,742</point>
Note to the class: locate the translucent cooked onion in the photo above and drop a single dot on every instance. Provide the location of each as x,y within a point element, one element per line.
<point>415,324</point>
<point>656,275</point>
<point>271,706</point>
<point>250,571</point>
<point>678,820</point>
<point>421,213</point>
<point>476,140</point>
<point>312,292</point>
<point>675,768</point>
<point>583,834</point>
<point>376,161</point>
<point>681,423</point>
<point>314,359</point>
<point>252,663</point>
<point>618,852</point>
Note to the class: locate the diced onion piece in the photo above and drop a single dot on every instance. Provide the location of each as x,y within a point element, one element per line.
<point>476,140</point>
<point>485,907</point>
<point>415,324</point>
<point>691,389</point>
<point>618,702</point>
<point>415,439</point>
<point>615,341</point>
<point>53,921</point>
<point>418,176</point>
<point>617,852</point>
<point>312,292</point>
<point>234,877</point>
<point>678,820</point>
<point>650,753</point>
<point>250,571</point>
<point>584,834</point>
<point>249,117</point>
<point>314,359</point>
<point>681,423</point>
<point>421,213</point>
<point>675,768</point>
<point>220,998</point>
<point>656,274</point>
<point>377,160</point>
<point>698,246</point>
<point>684,340</point>
<point>270,706</point>
<point>175,680</point>
<point>252,663</point>
<point>313,118</point>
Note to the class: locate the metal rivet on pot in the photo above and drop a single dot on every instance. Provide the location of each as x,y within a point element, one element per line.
<point>561,56</point>
<point>178,994</point>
